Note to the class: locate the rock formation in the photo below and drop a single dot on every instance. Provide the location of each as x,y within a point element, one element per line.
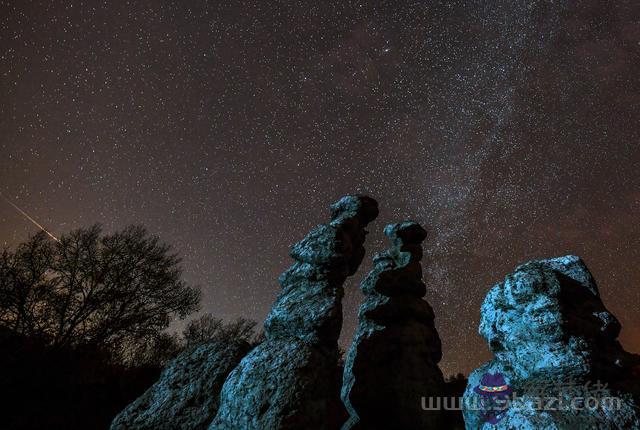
<point>393,360</point>
<point>186,395</point>
<point>291,381</point>
<point>552,338</point>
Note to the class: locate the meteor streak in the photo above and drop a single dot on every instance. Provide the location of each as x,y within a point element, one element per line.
<point>30,219</point>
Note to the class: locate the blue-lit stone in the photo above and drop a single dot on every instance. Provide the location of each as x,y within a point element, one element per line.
<point>552,337</point>
<point>292,381</point>
<point>186,395</point>
<point>393,360</point>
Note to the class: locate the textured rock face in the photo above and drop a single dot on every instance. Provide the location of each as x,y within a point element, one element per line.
<point>186,395</point>
<point>553,338</point>
<point>393,360</point>
<point>291,381</point>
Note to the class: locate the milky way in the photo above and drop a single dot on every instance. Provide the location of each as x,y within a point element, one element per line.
<point>510,130</point>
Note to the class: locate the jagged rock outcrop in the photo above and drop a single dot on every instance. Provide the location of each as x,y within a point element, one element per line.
<point>393,360</point>
<point>552,338</point>
<point>291,381</point>
<point>186,395</point>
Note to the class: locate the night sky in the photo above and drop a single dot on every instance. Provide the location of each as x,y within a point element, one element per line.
<point>509,129</point>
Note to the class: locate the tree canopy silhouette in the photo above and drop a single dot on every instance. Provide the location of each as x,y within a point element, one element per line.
<point>208,328</point>
<point>93,289</point>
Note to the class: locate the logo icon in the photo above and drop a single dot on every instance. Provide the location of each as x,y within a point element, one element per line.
<point>494,397</point>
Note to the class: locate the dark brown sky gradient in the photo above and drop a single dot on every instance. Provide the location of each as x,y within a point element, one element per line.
<point>509,129</point>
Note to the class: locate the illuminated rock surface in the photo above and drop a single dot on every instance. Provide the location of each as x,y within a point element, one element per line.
<point>551,336</point>
<point>292,381</point>
<point>393,360</point>
<point>186,395</point>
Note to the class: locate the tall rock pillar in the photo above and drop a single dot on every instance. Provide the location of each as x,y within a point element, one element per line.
<point>393,360</point>
<point>291,381</point>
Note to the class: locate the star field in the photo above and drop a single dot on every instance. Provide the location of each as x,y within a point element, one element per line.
<point>510,130</point>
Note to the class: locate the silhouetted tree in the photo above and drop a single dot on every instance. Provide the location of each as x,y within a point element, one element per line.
<point>154,351</point>
<point>454,389</point>
<point>456,379</point>
<point>209,328</point>
<point>112,291</point>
